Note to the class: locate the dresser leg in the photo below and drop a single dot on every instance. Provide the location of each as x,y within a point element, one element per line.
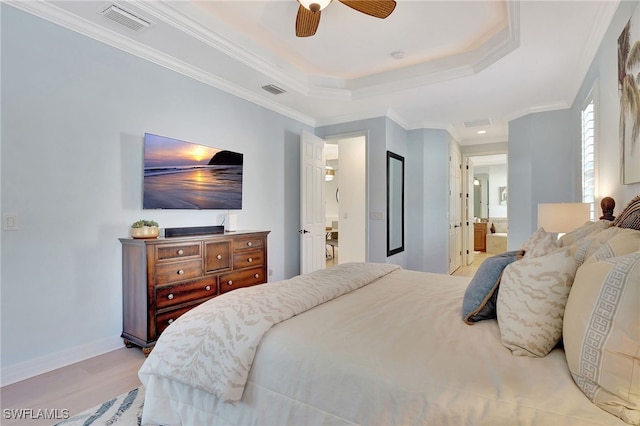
<point>147,351</point>
<point>128,344</point>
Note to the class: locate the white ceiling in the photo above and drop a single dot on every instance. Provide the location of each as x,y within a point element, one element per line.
<point>463,62</point>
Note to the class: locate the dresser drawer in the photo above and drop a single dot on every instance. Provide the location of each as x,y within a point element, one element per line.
<point>247,243</point>
<point>217,256</point>
<point>177,251</point>
<point>178,271</point>
<point>239,279</point>
<point>187,292</point>
<point>248,258</point>
<point>164,319</point>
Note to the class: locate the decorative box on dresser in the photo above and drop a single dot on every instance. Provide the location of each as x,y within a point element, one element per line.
<point>162,278</point>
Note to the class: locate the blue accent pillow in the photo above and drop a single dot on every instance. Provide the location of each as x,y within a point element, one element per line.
<point>480,298</point>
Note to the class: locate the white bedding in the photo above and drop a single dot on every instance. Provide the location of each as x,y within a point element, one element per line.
<point>393,352</point>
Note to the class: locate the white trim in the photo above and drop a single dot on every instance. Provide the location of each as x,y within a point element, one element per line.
<point>44,364</point>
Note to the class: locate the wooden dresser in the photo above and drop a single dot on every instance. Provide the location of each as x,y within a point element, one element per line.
<point>480,236</point>
<point>163,278</point>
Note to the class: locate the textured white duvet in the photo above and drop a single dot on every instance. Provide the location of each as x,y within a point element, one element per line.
<point>395,351</point>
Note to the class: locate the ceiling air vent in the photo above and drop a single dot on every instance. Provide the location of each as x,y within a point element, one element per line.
<point>122,17</point>
<point>273,89</point>
<point>478,123</point>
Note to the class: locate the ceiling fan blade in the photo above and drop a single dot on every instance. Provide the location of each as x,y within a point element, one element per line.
<point>376,8</point>
<point>306,22</point>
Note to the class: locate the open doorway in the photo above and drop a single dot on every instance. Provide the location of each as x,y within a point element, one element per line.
<point>331,200</point>
<point>345,200</point>
<point>487,234</point>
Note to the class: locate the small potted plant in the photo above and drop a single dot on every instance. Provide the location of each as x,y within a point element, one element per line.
<point>145,229</point>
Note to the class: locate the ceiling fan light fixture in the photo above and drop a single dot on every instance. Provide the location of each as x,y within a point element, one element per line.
<point>314,5</point>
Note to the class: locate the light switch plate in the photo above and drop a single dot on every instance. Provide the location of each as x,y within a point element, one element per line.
<point>10,222</point>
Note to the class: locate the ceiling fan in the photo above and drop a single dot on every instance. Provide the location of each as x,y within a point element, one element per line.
<point>309,12</point>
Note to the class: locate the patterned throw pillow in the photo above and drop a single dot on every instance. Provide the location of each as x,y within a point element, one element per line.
<point>533,240</point>
<point>630,216</point>
<point>531,301</point>
<point>602,334</point>
<point>548,244</point>
<point>479,301</point>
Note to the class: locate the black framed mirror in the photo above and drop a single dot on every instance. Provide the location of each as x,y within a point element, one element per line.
<point>395,203</point>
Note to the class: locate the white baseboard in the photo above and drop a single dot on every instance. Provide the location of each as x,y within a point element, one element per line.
<point>44,364</point>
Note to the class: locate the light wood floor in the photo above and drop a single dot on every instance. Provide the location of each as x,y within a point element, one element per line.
<point>332,260</point>
<point>86,384</point>
<point>75,388</point>
<point>470,270</point>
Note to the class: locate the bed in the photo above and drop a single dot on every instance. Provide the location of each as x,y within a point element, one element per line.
<point>377,344</point>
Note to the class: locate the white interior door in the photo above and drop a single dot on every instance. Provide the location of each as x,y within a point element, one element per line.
<point>469,211</point>
<point>312,229</point>
<point>455,211</point>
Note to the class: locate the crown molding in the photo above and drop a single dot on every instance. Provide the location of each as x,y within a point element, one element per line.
<point>52,13</point>
<point>605,15</point>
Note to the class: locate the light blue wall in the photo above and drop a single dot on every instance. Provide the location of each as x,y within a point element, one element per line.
<point>545,148</point>
<point>602,77</point>
<point>74,112</point>
<point>427,195</point>
<point>544,167</point>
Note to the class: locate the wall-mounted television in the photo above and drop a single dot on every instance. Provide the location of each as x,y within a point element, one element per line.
<point>185,175</point>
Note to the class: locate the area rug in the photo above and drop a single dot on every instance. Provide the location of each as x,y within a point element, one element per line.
<point>123,410</point>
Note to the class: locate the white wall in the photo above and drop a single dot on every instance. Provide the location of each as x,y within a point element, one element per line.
<point>497,179</point>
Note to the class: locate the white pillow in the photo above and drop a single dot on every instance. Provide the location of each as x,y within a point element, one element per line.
<point>602,334</point>
<point>533,293</point>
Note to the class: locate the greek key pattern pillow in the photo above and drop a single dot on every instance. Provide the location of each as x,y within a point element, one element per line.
<point>602,334</point>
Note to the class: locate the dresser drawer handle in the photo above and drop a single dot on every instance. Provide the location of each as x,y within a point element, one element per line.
<point>229,282</point>
<point>250,244</point>
<point>219,257</point>
<point>180,271</point>
<point>180,252</point>
<point>250,260</point>
<point>170,321</point>
<point>256,276</point>
<point>170,296</point>
<point>208,288</point>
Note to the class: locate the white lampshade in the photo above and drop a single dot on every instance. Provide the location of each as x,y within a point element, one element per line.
<point>563,217</point>
<point>314,5</point>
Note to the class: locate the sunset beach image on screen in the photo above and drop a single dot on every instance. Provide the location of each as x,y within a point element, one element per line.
<point>185,175</point>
